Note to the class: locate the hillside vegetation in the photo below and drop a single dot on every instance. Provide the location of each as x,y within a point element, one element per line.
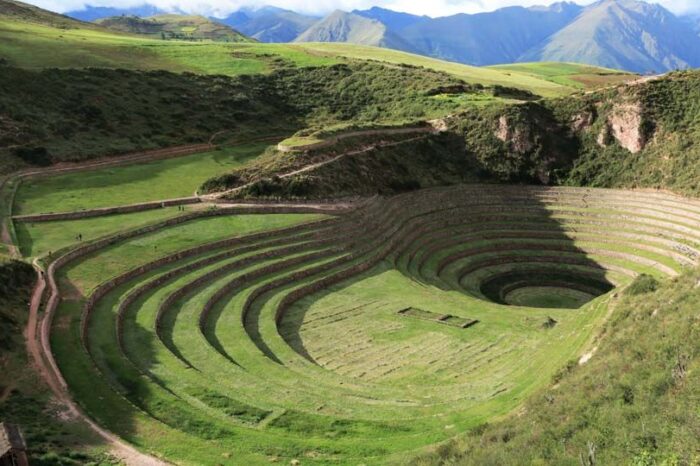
<point>102,112</point>
<point>24,399</point>
<point>635,402</point>
<point>638,136</point>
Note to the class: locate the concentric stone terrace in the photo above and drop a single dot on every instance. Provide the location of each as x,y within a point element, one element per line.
<point>358,338</point>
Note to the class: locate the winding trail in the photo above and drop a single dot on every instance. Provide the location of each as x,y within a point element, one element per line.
<point>428,130</point>
<point>37,334</point>
<point>217,197</point>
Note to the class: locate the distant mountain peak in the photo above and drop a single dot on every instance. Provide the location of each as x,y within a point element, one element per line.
<point>624,34</point>
<point>341,26</point>
<point>269,23</point>
<point>629,34</point>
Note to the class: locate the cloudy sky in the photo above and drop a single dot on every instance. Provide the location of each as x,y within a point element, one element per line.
<point>422,7</point>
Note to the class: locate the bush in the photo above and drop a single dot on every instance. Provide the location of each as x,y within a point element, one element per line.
<point>643,284</point>
<point>38,156</point>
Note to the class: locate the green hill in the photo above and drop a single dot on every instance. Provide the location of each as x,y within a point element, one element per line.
<point>174,27</point>
<point>569,74</point>
<point>644,135</point>
<point>36,44</point>
<point>633,402</point>
<point>19,11</point>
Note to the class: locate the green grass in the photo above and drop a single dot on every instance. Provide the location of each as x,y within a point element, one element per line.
<point>38,239</point>
<point>75,47</point>
<point>470,74</point>
<point>296,141</point>
<point>634,401</point>
<point>548,297</point>
<point>569,74</point>
<point>188,235</point>
<point>342,377</point>
<point>161,179</point>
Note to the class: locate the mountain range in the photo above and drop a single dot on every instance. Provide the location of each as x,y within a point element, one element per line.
<point>623,34</point>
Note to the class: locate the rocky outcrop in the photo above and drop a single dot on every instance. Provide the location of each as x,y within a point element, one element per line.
<point>581,122</point>
<point>604,137</point>
<point>625,123</point>
<point>518,137</point>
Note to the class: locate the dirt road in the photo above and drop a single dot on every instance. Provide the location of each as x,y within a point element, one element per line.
<point>37,334</point>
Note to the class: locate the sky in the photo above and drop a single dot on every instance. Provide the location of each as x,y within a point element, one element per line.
<point>432,8</point>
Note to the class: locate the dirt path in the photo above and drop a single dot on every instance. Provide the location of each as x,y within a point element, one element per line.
<point>143,156</point>
<point>632,83</point>
<point>5,236</point>
<point>216,196</point>
<point>103,211</point>
<point>332,140</point>
<point>127,159</point>
<point>37,336</point>
<point>195,202</point>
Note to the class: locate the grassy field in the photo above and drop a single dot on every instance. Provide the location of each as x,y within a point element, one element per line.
<point>38,239</point>
<point>293,346</point>
<point>543,79</point>
<point>375,335</point>
<point>54,47</point>
<point>569,74</point>
<point>161,179</point>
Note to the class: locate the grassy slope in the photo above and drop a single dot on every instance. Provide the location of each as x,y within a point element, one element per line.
<point>486,76</point>
<point>569,74</point>
<point>424,162</point>
<point>94,47</point>
<point>105,112</point>
<point>635,402</point>
<point>40,239</point>
<point>24,399</point>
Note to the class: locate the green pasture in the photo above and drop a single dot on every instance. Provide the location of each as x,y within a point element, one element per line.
<point>38,239</point>
<point>471,74</point>
<point>152,181</point>
<point>572,75</point>
<point>548,297</point>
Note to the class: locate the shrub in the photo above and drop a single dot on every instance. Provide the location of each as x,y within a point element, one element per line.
<point>38,156</point>
<point>643,284</point>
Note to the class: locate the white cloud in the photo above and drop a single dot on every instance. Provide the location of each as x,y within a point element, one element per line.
<point>422,7</point>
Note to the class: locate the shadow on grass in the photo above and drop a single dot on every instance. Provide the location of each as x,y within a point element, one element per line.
<point>533,249</point>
